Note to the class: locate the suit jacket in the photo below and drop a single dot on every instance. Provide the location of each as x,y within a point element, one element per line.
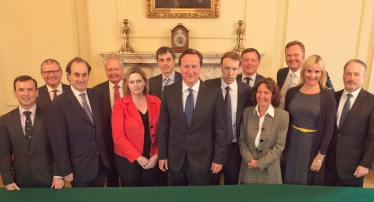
<point>283,72</point>
<point>204,141</point>
<point>76,142</point>
<point>258,77</point>
<point>155,84</point>
<point>244,100</point>
<point>273,139</point>
<point>325,130</point>
<point>128,127</point>
<point>353,144</point>
<point>43,100</point>
<point>31,164</point>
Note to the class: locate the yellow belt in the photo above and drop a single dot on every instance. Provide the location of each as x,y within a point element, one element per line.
<point>304,130</point>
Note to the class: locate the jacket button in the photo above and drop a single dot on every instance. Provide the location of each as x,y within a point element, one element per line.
<point>261,140</point>
<point>260,151</point>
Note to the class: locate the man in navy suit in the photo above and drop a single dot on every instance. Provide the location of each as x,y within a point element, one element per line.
<point>75,129</point>
<point>351,151</point>
<point>240,95</point>
<point>251,60</point>
<point>192,126</point>
<point>111,90</point>
<point>23,133</point>
<point>51,73</point>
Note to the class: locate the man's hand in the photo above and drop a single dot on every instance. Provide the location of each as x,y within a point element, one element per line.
<point>361,171</point>
<point>152,162</point>
<point>57,183</point>
<point>163,164</point>
<point>69,178</point>
<point>11,187</point>
<point>216,168</point>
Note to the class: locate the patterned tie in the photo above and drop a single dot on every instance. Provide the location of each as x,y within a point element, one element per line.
<point>288,83</point>
<point>54,93</point>
<point>116,92</point>
<point>346,108</point>
<point>28,127</point>
<point>165,83</point>
<point>189,107</point>
<point>85,107</point>
<point>230,134</point>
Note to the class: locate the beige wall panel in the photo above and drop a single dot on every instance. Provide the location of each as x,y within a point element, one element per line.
<point>32,31</point>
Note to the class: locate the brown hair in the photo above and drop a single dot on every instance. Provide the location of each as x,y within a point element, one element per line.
<point>296,42</point>
<point>271,86</point>
<point>356,61</point>
<point>192,52</point>
<point>50,61</point>
<point>163,50</point>
<point>232,55</point>
<point>24,78</point>
<point>134,70</point>
<point>250,50</point>
<point>77,59</point>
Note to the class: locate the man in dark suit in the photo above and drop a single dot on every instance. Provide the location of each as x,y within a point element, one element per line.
<point>75,128</point>
<point>51,72</point>
<point>290,76</point>
<point>251,60</point>
<point>351,151</point>
<point>111,90</point>
<point>23,133</point>
<point>165,57</point>
<point>239,95</point>
<point>192,126</point>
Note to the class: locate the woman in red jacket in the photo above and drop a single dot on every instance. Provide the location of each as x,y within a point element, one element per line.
<point>134,126</point>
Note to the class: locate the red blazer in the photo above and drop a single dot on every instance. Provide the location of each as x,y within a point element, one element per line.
<point>128,127</point>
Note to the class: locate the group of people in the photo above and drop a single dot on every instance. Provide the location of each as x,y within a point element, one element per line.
<point>175,129</point>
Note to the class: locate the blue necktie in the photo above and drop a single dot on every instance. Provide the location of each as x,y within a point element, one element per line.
<point>189,107</point>
<point>345,110</point>
<point>230,133</point>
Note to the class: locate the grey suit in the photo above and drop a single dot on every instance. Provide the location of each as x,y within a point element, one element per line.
<point>43,100</point>
<point>33,167</point>
<point>155,84</point>
<point>258,77</point>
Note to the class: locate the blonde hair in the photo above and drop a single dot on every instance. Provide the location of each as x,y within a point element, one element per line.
<point>133,70</point>
<point>311,60</point>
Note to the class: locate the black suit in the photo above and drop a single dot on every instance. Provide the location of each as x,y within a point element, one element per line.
<point>33,167</point>
<point>76,142</point>
<point>155,88</point>
<point>112,175</point>
<point>233,157</point>
<point>353,143</point>
<point>283,72</point>
<point>43,100</point>
<point>197,146</point>
<point>155,84</point>
<point>258,77</point>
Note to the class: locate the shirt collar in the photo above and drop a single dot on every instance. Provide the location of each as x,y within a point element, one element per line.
<point>171,77</point>
<point>76,92</point>
<point>59,88</point>
<point>297,73</point>
<point>32,110</point>
<point>233,85</point>
<point>111,85</point>
<point>354,93</point>
<point>270,111</point>
<point>195,87</point>
<point>253,77</point>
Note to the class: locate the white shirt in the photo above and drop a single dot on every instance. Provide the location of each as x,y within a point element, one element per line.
<point>185,92</point>
<point>251,81</point>
<point>270,111</point>
<point>343,99</point>
<point>79,97</point>
<point>171,78</point>
<point>111,91</point>
<point>234,102</point>
<point>51,93</point>
<point>23,117</point>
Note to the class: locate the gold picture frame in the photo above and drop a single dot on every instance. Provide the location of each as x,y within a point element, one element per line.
<point>182,8</point>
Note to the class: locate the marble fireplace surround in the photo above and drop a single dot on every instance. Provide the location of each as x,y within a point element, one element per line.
<point>147,62</point>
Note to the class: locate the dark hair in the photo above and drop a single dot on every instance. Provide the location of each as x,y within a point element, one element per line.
<point>24,78</point>
<point>192,52</point>
<point>232,55</point>
<point>163,50</point>
<point>78,60</point>
<point>296,42</point>
<point>356,61</point>
<point>250,50</point>
<point>50,61</point>
<point>271,86</point>
<point>133,70</point>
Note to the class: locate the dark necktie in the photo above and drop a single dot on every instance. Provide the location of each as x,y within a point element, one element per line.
<point>54,93</point>
<point>247,79</point>
<point>85,107</point>
<point>230,134</point>
<point>189,107</point>
<point>116,92</point>
<point>28,127</point>
<point>346,108</point>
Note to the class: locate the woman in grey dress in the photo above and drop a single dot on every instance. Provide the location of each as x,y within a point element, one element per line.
<point>263,135</point>
<point>312,109</point>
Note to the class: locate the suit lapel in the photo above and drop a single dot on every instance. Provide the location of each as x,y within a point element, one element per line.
<point>199,102</point>
<point>94,106</point>
<point>151,109</point>
<point>18,128</point>
<point>356,107</point>
<point>131,108</point>
<point>36,128</point>
<point>176,100</point>
<point>77,107</point>
<point>106,94</point>
<point>240,105</point>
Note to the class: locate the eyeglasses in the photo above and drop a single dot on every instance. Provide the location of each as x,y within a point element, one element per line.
<point>52,71</point>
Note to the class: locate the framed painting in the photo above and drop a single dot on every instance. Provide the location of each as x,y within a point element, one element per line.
<point>182,8</point>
